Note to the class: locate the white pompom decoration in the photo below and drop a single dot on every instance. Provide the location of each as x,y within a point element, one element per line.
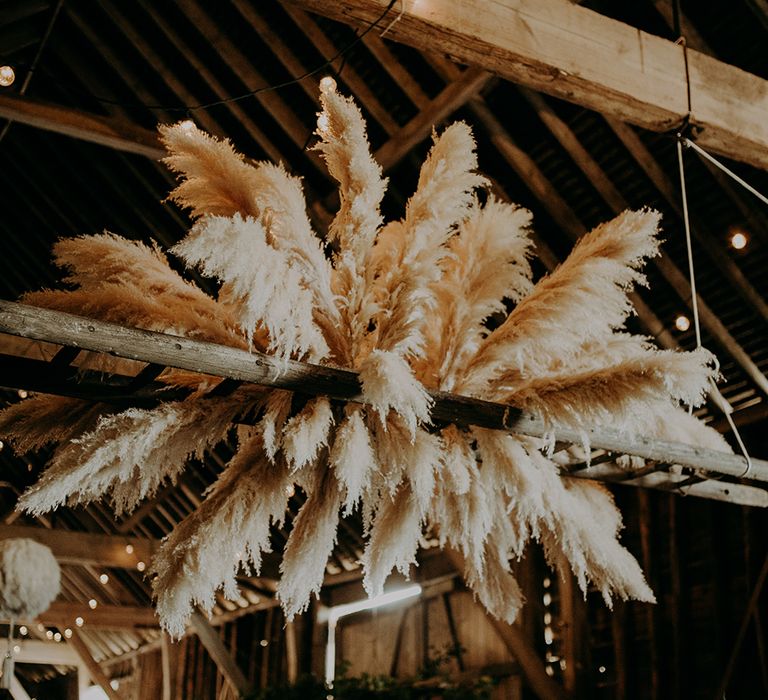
<point>30,578</point>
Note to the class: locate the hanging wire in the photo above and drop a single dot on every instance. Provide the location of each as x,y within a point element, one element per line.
<point>694,297</point>
<point>251,93</point>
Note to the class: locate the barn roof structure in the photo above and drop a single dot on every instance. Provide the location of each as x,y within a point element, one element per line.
<point>79,154</point>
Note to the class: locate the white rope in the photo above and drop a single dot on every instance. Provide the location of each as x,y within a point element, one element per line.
<point>395,20</point>
<point>691,273</point>
<point>725,169</point>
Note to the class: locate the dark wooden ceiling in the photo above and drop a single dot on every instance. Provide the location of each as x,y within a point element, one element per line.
<point>151,61</point>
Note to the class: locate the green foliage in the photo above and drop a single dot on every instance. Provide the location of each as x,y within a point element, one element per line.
<point>385,687</point>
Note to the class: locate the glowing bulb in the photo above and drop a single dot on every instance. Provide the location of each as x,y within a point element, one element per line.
<point>290,490</point>
<point>23,630</point>
<point>92,603</point>
<point>547,599</point>
<point>682,323</point>
<point>263,642</point>
<point>129,549</point>
<point>739,240</point>
<point>601,669</point>
<point>16,649</point>
<point>79,621</point>
<point>40,627</point>
<point>57,637</point>
<point>141,566</point>
<point>7,76</point>
<point>114,684</point>
<point>49,634</point>
<point>104,579</point>
<point>67,633</point>
<point>2,444</point>
<point>322,123</point>
<point>327,84</point>
<point>23,393</point>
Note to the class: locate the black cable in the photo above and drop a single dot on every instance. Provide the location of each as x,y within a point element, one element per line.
<point>267,88</point>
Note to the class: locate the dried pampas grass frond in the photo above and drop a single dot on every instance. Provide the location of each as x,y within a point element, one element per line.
<point>153,443</point>
<point>232,526</point>
<point>307,432</point>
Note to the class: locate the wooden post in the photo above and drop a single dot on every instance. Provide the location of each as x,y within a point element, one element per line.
<point>219,653</point>
<point>291,653</point>
<point>169,658</point>
<point>97,675</point>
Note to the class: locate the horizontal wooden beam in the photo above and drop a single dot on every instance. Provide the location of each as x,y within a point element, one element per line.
<point>105,131</point>
<point>32,651</point>
<point>578,55</point>
<point>223,361</point>
<point>63,614</point>
<point>84,548</point>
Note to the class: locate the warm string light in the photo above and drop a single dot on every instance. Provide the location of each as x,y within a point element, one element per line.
<point>79,621</point>
<point>682,323</point>
<point>92,603</point>
<point>739,240</point>
<point>7,76</point>
<point>141,566</point>
<point>129,549</point>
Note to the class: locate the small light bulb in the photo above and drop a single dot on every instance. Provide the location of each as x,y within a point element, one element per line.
<point>263,642</point>
<point>23,630</point>
<point>79,621</point>
<point>2,444</point>
<point>40,627</point>
<point>601,669</point>
<point>7,76</point>
<point>129,549</point>
<point>23,393</point>
<point>57,637</point>
<point>327,84</point>
<point>141,566</point>
<point>290,490</point>
<point>104,579</point>
<point>49,634</point>
<point>92,603</point>
<point>739,240</point>
<point>323,123</point>
<point>16,649</point>
<point>547,599</point>
<point>67,633</point>
<point>682,323</point>
<point>114,684</point>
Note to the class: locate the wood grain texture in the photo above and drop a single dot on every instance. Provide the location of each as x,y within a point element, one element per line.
<point>578,55</point>
<point>336,383</point>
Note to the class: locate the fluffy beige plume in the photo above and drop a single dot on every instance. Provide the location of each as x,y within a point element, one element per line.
<point>586,535</point>
<point>495,586</point>
<point>408,254</point>
<point>584,299</point>
<point>310,544</point>
<point>130,454</point>
<point>389,385</point>
<point>259,281</point>
<point>276,412</point>
<point>204,552</point>
<point>624,392</point>
<point>344,147</point>
<point>217,180</point>
<point>488,263</point>
<point>104,268</point>
<point>307,432</point>
<point>394,539</point>
<point>41,420</point>
<point>352,457</point>
<point>577,523</point>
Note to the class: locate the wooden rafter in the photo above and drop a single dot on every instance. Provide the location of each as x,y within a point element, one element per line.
<point>239,365</point>
<point>85,548</point>
<point>581,56</point>
<point>105,131</point>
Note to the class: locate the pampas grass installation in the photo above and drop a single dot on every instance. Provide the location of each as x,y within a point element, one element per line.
<point>407,304</point>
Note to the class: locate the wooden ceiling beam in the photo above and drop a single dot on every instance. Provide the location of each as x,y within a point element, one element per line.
<point>77,643</point>
<point>452,97</point>
<point>62,614</point>
<point>84,548</point>
<point>104,131</point>
<point>340,384</point>
<point>581,56</point>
